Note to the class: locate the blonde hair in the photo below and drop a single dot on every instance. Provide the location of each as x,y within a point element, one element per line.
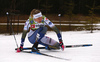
<point>34,11</point>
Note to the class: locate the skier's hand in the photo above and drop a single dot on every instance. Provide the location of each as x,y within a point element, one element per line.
<point>20,49</point>
<point>62,45</point>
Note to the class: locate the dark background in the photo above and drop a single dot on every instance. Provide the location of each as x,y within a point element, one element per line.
<point>85,12</point>
<point>50,6</point>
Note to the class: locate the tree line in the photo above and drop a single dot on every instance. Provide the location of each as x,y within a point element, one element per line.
<point>51,6</point>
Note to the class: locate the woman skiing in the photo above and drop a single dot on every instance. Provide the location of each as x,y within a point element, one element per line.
<point>37,30</point>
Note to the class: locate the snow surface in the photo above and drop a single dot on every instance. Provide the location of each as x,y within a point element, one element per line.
<point>80,54</point>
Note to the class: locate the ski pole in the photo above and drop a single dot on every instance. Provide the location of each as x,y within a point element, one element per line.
<point>12,29</point>
<point>60,21</point>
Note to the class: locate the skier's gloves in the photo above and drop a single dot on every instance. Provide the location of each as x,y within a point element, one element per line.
<point>20,49</point>
<point>62,45</point>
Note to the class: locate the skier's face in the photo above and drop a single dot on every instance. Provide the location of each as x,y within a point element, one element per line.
<point>38,19</point>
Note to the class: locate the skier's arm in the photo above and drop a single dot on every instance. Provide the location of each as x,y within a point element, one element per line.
<point>23,37</point>
<point>51,25</point>
<point>25,30</point>
<point>59,36</point>
<point>22,41</point>
<point>57,32</point>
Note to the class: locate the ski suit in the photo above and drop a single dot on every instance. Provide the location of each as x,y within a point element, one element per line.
<point>37,32</point>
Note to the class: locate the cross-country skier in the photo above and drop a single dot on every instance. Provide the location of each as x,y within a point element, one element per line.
<point>37,30</point>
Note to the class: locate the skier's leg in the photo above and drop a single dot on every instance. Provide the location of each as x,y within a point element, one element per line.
<point>36,37</point>
<point>42,33</point>
<point>49,43</point>
<point>32,40</point>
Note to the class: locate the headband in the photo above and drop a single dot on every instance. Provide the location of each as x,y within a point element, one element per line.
<point>37,15</point>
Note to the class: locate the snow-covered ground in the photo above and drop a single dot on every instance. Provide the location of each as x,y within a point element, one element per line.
<point>80,54</point>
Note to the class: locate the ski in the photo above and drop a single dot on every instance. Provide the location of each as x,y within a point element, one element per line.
<point>66,46</point>
<point>39,53</point>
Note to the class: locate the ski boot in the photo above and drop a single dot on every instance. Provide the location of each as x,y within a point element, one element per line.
<point>34,47</point>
